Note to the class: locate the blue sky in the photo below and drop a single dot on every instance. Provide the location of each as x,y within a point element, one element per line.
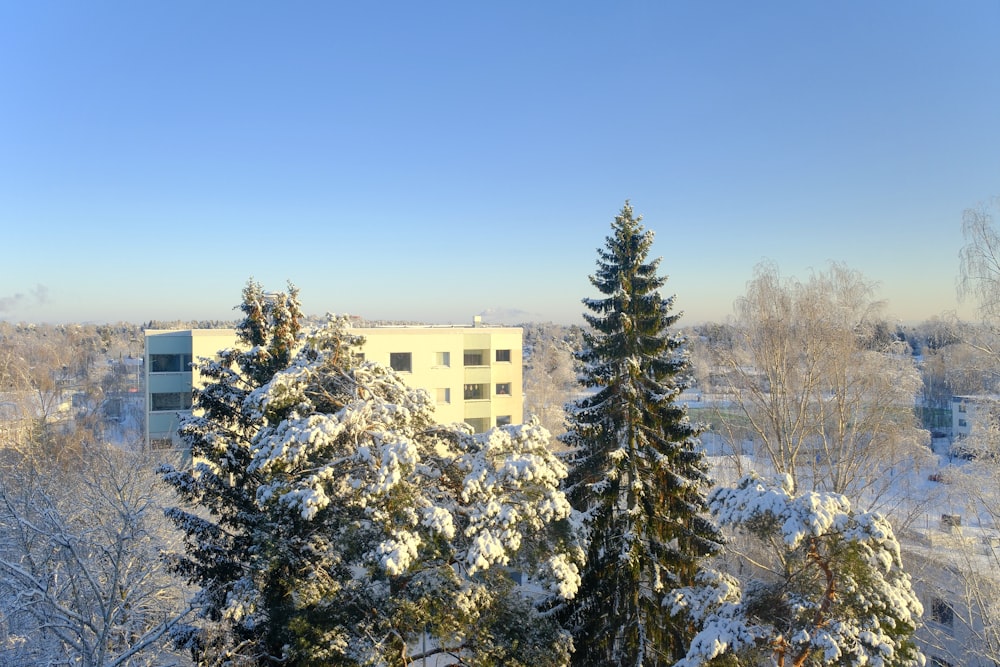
<point>431,161</point>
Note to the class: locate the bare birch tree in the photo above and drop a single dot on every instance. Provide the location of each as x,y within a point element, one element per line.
<point>824,398</point>
<point>979,260</point>
<point>81,577</point>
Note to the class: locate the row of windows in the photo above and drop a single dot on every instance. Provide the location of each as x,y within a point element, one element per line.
<point>180,400</point>
<point>473,392</point>
<point>403,361</point>
<point>163,401</point>
<point>161,443</point>
<point>169,363</point>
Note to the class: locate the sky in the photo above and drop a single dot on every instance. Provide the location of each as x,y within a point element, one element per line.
<point>433,161</point>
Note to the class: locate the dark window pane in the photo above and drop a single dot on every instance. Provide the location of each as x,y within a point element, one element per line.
<point>165,363</point>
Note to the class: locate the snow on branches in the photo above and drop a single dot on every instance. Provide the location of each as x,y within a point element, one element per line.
<point>833,593</point>
<point>368,520</point>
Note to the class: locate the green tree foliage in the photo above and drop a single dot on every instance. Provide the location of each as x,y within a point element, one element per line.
<point>222,521</point>
<point>636,473</point>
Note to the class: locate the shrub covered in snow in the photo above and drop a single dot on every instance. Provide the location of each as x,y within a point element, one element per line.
<point>331,520</point>
<point>834,591</point>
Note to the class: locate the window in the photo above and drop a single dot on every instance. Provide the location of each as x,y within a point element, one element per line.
<point>161,443</point>
<point>475,392</point>
<point>478,424</point>
<point>169,363</point>
<point>503,420</point>
<point>170,401</point>
<point>961,407</point>
<point>942,613</point>
<point>503,355</point>
<point>473,358</point>
<point>443,395</point>
<point>401,362</point>
<point>442,358</point>
<point>962,423</point>
<point>503,389</point>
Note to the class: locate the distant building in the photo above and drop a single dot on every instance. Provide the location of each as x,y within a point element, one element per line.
<point>15,423</point>
<point>953,570</point>
<point>170,377</point>
<point>474,374</point>
<point>970,412</point>
<point>963,412</point>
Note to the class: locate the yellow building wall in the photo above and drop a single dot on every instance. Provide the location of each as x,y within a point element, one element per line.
<point>437,363</point>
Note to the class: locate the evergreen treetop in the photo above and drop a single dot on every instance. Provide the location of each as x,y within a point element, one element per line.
<point>219,517</point>
<point>636,473</point>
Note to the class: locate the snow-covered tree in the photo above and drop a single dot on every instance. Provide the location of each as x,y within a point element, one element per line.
<point>549,374</point>
<point>345,526</point>
<point>826,585</point>
<point>222,520</point>
<point>81,578</point>
<point>637,474</point>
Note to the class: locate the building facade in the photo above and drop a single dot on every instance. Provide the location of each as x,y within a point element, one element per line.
<point>966,409</point>
<point>473,374</point>
<point>170,377</point>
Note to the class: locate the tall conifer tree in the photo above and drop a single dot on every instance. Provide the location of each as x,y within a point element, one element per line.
<point>222,531</point>
<point>636,475</point>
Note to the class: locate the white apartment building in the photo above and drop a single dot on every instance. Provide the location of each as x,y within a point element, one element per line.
<point>474,374</point>
<point>964,410</point>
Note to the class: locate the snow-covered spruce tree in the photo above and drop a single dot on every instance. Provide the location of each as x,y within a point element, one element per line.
<point>220,516</point>
<point>636,474</point>
<point>375,535</point>
<point>833,591</point>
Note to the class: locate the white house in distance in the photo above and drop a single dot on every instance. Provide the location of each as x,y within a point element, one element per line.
<point>964,410</point>
<point>473,373</point>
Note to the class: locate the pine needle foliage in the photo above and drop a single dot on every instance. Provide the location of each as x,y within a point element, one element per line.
<point>636,473</point>
<point>221,518</point>
<point>330,520</point>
